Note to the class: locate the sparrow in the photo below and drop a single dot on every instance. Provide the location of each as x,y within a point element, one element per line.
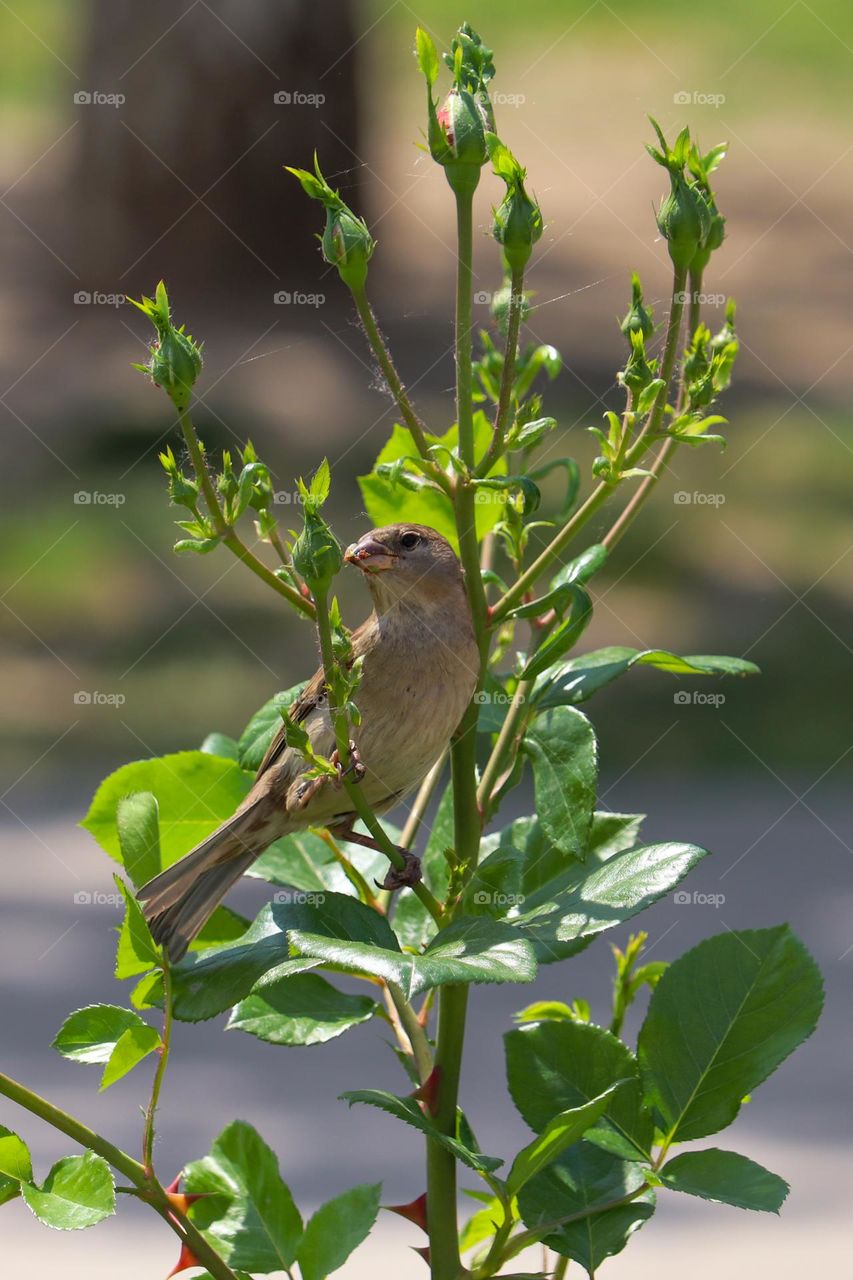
<point>419,672</point>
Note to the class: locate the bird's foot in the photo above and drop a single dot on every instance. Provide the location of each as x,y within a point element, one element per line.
<point>355,770</point>
<point>404,877</point>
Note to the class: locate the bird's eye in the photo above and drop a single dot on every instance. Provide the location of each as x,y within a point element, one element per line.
<point>409,540</point>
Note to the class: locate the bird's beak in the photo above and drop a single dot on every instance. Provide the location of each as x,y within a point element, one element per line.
<point>370,555</point>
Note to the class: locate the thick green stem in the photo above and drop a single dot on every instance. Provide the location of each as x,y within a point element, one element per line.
<point>502,416</point>
<point>441,1164</point>
<point>229,537</point>
<point>149,1188</point>
<point>159,1074</point>
<point>386,364</point>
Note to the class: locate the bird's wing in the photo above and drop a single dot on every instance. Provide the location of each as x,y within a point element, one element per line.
<point>307,700</point>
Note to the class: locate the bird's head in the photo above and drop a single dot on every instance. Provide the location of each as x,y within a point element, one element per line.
<point>406,560</point>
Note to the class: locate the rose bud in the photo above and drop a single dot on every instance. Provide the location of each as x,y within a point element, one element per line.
<point>639,319</point>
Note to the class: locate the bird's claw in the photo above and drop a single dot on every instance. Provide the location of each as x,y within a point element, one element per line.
<point>404,877</point>
<point>355,770</point>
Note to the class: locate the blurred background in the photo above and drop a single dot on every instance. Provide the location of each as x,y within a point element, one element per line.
<point>141,142</point>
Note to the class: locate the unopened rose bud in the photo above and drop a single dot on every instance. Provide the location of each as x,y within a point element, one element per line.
<point>457,138</point>
<point>175,361</point>
<point>684,220</point>
<point>317,555</point>
<point>638,373</point>
<point>638,319</point>
<point>518,219</point>
<point>346,241</point>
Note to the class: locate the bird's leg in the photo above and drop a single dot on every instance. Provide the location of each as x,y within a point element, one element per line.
<point>398,877</point>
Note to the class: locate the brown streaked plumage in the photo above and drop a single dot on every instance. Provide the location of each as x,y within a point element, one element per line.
<point>419,673</point>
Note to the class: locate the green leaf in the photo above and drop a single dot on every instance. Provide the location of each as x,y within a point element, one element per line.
<point>559,1133</point>
<point>472,949</point>
<point>219,744</point>
<point>557,1066</point>
<point>77,1193</point>
<point>579,678</point>
<point>409,1111</point>
<point>263,726</point>
<point>580,1185</point>
<point>720,1020</point>
<point>15,1162</point>
<point>137,952</point>
<point>109,1034</point>
<point>303,1009</point>
<point>562,746</point>
<point>427,56</point>
<point>336,1229</point>
<point>387,503</point>
<point>208,982</point>
<point>583,566</point>
<point>137,823</point>
<point>726,1177</point>
<point>581,901</point>
<point>564,636</point>
<point>250,1216</point>
<point>304,862</point>
<point>195,793</point>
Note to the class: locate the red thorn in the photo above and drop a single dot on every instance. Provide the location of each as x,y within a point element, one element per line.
<point>427,1093</point>
<point>173,1186</point>
<point>415,1211</point>
<point>423,1250</point>
<point>181,1200</point>
<point>186,1260</point>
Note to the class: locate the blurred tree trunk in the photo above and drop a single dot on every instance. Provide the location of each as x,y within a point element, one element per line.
<point>218,96</point>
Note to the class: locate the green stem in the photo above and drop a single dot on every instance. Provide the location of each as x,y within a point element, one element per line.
<point>421,1051</point>
<point>163,1062</point>
<point>341,728</point>
<point>603,491</point>
<point>380,349</point>
<point>226,532</point>
<point>560,1269</point>
<point>508,738</point>
<point>502,416</point>
<point>149,1188</point>
<point>442,1223</point>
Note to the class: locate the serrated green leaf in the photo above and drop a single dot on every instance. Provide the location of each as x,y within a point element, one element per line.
<point>720,1020</point>
<point>562,747</point>
<point>561,1132</point>
<point>427,56</point>
<point>557,1066</point>
<point>263,726</point>
<point>300,1010</point>
<point>78,1192</point>
<point>250,1216</point>
<point>134,1044</point>
<point>15,1162</point>
<point>195,792</point>
<point>336,1229</point>
<point>409,1111</point>
<point>106,1033</point>
<point>580,1185</point>
<point>727,1178</point>
<point>137,952</point>
<point>138,827</point>
<point>579,678</point>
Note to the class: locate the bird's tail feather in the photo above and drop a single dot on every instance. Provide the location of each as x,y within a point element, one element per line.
<point>178,902</point>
